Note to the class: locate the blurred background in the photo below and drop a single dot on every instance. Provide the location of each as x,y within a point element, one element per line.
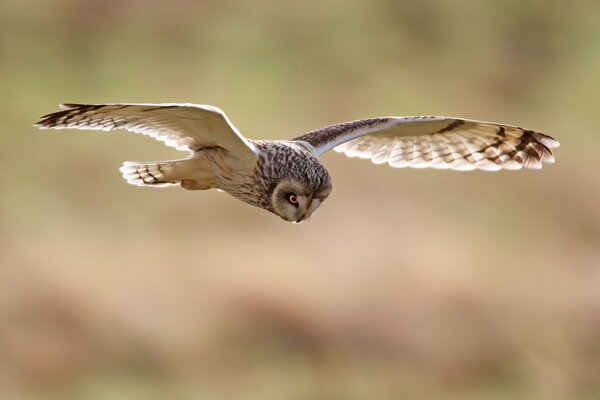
<point>406,283</point>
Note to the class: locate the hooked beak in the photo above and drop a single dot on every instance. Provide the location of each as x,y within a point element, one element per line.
<point>307,208</point>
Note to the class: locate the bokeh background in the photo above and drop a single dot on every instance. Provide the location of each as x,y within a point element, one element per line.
<point>406,283</point>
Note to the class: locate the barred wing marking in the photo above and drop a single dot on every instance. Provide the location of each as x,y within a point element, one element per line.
<point>186,127</point>
<point>436,142</point>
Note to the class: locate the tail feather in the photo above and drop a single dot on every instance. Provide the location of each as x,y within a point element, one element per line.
<point>155,174</point>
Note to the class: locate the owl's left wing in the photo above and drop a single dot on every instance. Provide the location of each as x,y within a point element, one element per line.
<point>436,142</point>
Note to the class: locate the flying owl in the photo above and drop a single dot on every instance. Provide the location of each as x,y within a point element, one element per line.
<point>286,177</point>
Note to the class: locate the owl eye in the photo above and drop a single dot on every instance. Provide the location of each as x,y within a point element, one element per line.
<point>293,199</point>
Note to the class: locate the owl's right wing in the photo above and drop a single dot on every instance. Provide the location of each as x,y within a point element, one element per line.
<point>436,142</point>
<point>186,127</point>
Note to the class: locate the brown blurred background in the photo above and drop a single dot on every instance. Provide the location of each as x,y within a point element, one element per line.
<point>406,284</point>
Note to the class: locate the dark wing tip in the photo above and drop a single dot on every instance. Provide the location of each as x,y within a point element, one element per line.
<point>536,148</point>
<point>50,120</point>
<point>546,140</point>
<point>58,118</point>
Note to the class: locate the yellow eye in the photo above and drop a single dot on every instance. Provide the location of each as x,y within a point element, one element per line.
<point>293,199</point>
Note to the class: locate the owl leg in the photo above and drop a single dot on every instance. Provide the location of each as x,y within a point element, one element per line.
<point>191,184</point>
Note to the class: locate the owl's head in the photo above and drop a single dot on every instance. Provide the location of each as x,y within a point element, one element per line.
<point>295,201</point>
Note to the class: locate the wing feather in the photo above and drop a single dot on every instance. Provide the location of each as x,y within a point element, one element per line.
<point>186,127</point>
<point>436,142</point>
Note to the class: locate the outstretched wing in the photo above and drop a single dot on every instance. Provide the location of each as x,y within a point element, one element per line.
<point>187,127</point>
<point>436,142</point>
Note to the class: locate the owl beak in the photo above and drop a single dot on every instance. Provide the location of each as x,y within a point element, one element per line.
<point>303,215</point>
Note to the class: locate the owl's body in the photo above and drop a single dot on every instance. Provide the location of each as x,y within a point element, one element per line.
<point>286,177</point>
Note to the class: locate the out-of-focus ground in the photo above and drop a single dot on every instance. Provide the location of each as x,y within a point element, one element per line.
<point>406,283</point>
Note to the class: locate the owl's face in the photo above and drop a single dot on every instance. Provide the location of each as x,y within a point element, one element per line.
<point>295,202</point>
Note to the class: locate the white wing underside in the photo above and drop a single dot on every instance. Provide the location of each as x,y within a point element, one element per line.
<point>186,127</point>
<point>436,142</point>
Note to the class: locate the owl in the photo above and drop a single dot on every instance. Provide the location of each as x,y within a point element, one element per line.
<point>286,177</point>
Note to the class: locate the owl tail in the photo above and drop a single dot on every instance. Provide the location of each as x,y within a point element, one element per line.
<point>155,174</point>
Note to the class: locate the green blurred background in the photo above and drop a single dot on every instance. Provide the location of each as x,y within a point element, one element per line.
<point>411,284</point>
